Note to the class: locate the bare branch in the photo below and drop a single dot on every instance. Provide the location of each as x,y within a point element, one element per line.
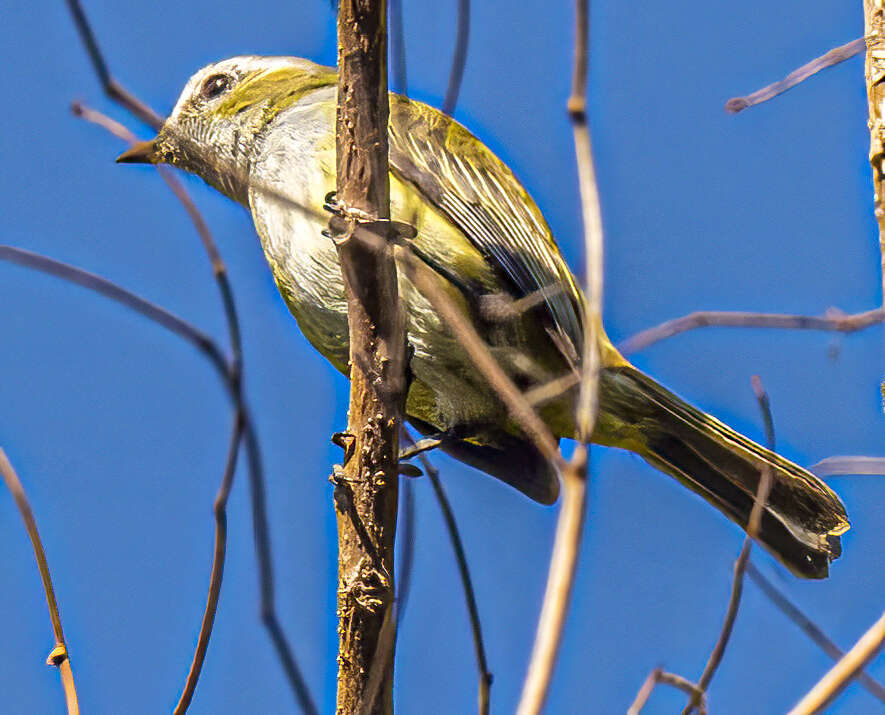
<point>427,282</point>
<point>834,466</point>
<point>811,629</point>
<point>459,58</point>
<point>677,681</point>
<point>220,511</point>
<point>570,524</point>
<point>833,321</point>
<point>108,289</point>
<point>218,268</point>
<point>644,692</point>
<point>740,565</point>
<point>485,677</point>
<point>843,672</point>
<point>212,352</point>
<point>111,87</point>
<point>59,656</point>
<point>560,579</point>
<point>406,556</point>
<point>829,59</point>
<point>551,390</point>
<point>232,374</point>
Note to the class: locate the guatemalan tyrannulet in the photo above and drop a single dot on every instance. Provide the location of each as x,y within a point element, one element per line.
<point>262,130</point>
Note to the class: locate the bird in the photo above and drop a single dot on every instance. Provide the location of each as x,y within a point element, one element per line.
<point>261,130</point>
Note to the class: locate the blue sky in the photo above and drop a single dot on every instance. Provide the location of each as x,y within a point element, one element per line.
<point>118,429</point>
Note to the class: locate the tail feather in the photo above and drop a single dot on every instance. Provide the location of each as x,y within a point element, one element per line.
<point>803,517</point>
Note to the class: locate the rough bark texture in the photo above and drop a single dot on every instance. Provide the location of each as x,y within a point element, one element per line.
<point>366,488</point>
<point>874,31</point>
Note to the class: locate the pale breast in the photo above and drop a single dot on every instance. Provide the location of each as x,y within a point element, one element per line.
<point>291,174</point>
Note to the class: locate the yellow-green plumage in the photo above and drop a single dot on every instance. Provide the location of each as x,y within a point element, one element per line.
<point>267,140</point>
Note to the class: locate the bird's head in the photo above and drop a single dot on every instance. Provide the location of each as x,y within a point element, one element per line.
<point>222,114</point>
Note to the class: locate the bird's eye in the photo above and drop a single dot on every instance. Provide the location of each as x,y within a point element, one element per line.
<point>215,85</point>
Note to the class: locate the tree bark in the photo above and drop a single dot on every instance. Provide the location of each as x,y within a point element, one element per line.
<point>366,487</point>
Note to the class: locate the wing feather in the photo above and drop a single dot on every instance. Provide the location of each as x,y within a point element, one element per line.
<point>478,193</point>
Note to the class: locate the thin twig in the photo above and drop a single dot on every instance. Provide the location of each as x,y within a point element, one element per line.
<point>219,509</point>
<point>121,132</point>
<point>406,520</point>
<point>644,692</point>
<point>459,57</point>
<point>833,321</point>
<point>109,289</point>
<point>834,466</point>
<point>560,578</point>
<point>833,57</point>
<point>211,351</point>
<point>660,676</point>
<point>261,536</point>
<point>811,629</point>
<point>428,284</point>
<point>570,523</point>
<point>591,213</point>
<point>112,88</point>
<point>541,394</point>
<point>485,677</point>
<point>397,37</point>
<point>233,375</point>
<point>843,672</point>
<point>59,656</point>
<point>686,686</point>
<point>740,565</point>
<point>406,556</point>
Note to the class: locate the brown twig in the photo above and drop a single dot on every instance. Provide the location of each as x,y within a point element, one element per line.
<point>833,321</point>
<point>834,466</point>
<point>844,671</point>
<point>406,556</point>
<point>111,87</point>
<point>833,57</point>
<point>740,565</point>
<point>59,656</point>
<point>485,677</point>
<point>406,525</point>
<point>560,578</point>
<point>677,681</point>
<point>108,289</point>
<point>233,374</point>
<point>207,347</point>
<point>428,284</point>
<point>220,511</point>
<point>570,523</point>
<point>810,628</point>
<point>397,47</point>
<point>459,57</point>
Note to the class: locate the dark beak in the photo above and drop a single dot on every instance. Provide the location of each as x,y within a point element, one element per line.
<point>141,153</point>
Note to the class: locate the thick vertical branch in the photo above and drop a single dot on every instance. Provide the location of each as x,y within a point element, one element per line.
<point>874,31</point>
<point>366,489</point>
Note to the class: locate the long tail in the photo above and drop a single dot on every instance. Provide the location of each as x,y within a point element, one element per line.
<point>803,518</point>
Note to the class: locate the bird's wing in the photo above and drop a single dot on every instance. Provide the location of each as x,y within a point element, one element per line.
<point>478,193</point>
